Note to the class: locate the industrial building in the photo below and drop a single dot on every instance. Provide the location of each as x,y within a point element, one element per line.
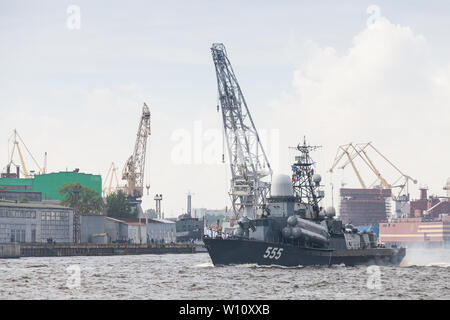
<point>416,231</point>
<point>142,231</point>
<point>125,230</point>
<point>31,222</point>
<point>92,229</point>
<point>431,207</point>
<point>188,228</point>
<point>161,230</point>
<point>362,207</point>
<point>21,196</point>
<point>30,211</point>
<point>42,221</point>
<point>116,230</point>
<point>49,184</point>
<point>428,223</point>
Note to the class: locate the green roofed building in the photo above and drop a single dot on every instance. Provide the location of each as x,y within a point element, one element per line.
<point>48,184</point>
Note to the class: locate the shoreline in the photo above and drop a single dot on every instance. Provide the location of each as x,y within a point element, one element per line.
<point>17,250</point>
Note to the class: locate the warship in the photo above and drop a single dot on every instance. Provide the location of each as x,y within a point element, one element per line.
<point>293,229</point>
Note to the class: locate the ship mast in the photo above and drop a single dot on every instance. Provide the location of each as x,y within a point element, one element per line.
<point>305,181</point>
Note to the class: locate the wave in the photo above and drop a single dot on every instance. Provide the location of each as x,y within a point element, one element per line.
<point>427,257</point>
<point>204,265</point>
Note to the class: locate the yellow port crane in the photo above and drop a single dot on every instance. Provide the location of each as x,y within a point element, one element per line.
<point>344,151</point>
<point>360,150</point>
<point>110,176</point>
<point>17,142</point>
<point>133,171</point>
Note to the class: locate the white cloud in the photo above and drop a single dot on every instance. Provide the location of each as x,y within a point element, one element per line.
<point>386,88</point>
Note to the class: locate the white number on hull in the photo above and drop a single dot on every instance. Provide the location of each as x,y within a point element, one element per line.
<point>273,253</point>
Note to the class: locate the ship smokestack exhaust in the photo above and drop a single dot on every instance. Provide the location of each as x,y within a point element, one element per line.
<point>423,193</point>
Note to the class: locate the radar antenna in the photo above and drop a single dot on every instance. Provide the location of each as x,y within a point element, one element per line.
<point>305,181</point>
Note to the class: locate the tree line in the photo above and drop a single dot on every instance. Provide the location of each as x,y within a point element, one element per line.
<point>88,201</point>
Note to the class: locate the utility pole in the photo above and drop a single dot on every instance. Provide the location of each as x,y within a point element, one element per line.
<point>76,214</point>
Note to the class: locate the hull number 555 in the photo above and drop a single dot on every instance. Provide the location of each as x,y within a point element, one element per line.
<point>273,253</point>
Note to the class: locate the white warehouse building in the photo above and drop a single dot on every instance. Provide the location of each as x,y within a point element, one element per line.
<point>159,230</point>
<point>135,230</point>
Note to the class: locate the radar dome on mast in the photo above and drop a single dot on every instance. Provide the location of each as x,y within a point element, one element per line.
<point>330,212</point>
<point>282,186</point>
<point>316,179</point>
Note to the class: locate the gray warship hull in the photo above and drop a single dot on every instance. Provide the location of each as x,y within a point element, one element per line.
<point>243,251</point>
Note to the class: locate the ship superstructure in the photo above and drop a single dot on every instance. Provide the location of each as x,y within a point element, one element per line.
<point>296,230</point>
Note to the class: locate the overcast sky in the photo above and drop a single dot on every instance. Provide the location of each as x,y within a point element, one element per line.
<point>335,72</point>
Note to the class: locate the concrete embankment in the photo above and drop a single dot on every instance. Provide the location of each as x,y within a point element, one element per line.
<point>16,250</point>
<point>9,250</point>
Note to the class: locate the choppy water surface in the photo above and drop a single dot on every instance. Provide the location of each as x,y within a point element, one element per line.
<point>422,275</point>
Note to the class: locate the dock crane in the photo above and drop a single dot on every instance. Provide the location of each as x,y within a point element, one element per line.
<point>248,161</point>
<point>133,171</point>
<point>17,142</point>
<point>344,151</point>
<point>352,151</point>
<point>110,176</point>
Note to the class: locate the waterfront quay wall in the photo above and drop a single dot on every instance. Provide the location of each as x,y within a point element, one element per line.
<point>66,250</point>
<point>9,250</point>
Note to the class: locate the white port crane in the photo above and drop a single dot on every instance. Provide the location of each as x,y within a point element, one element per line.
<point>248,161</point>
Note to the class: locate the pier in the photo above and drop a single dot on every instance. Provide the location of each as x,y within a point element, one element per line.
<point>16,250</point>
<point>9,250</point>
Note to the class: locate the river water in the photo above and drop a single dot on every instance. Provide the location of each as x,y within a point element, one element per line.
<point>423,274</point>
